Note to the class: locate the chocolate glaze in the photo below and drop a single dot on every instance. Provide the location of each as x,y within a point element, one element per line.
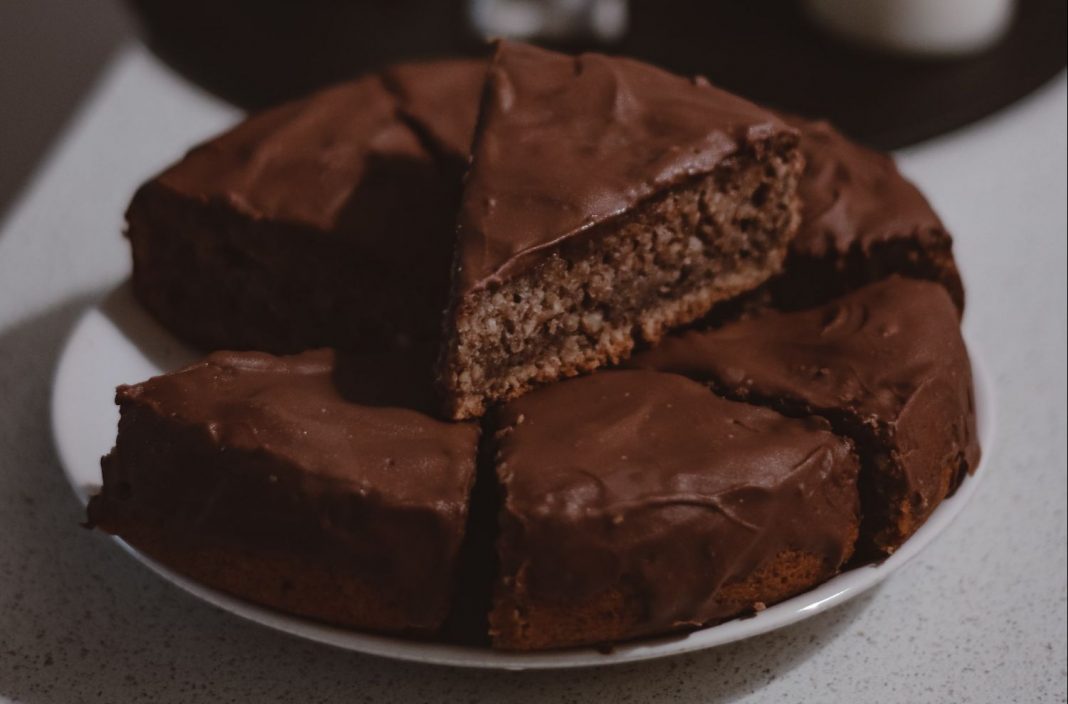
<point>320,222</point>
<point>300,162</point>
<point>567,142</point>
<point>265,454</point>
<point>863,219</point>
<point>855,196</point>
<point>886,363</point>
<point>651,483</point>
<point>441,100</point>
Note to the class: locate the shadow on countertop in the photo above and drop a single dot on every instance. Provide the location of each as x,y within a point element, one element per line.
<point>51,53</point>
<point>81,621</point>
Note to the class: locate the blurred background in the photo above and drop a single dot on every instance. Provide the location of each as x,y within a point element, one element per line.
<point>889,72</point>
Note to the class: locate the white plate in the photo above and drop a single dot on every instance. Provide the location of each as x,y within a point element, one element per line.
<point>116,342</point>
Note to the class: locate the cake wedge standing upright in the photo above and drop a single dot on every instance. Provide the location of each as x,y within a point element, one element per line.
<point>607,201</point>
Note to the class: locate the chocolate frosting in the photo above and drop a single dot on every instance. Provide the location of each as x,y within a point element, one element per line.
<point>323,222</point>
<point>301,162</point>
<point>853,196</point>
<point>887,362</point>
<point>441,99</point>
<point>265,454</point>
<point>650,483</point>
<point>565,143</point>
<point>291,407</point>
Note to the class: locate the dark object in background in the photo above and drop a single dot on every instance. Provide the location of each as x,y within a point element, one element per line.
<point>257,52</point>
<point>882,100</point>
<point>260,52</point>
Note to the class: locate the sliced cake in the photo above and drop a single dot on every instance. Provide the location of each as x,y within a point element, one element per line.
<point>324,221</point>
<point>440,100</point>
<point>257,476</point>
<point>638,503</point>
<point>861,221</point>
<point>885,364</point>
<point>606,202</point>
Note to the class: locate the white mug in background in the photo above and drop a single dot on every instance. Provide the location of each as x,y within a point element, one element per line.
<point>919,27</point>
<point>554,20</point>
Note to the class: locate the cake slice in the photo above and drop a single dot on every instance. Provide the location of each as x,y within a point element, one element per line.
<point>325,221</point>
<point>885,365</point>
<point>607,201</point>
<point>638,503</point>
<point>861,221</point>
<point>262,477</point>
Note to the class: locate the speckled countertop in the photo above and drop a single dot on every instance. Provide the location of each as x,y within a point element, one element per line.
<point>979,617</point>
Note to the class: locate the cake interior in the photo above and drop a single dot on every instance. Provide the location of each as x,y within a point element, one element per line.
<point>627,280</point>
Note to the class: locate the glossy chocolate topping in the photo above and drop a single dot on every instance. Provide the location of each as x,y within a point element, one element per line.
<point>291,407</point>
<point>442,99</point>
<point>853,196</point>
<point>650,483</point>
<point>564,143</point>
<point>887,361</point>
<point>300,162</point>
<point>263,453</point>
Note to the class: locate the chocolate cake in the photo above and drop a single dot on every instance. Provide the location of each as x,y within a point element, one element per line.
<point>255,475</point>
<point>861,221</point>
<point>638,502</point>
<point>886,365</point>
<point>321,222</point>
<point>583,207</point>
<point>440,99</point>
<point>607,201</point>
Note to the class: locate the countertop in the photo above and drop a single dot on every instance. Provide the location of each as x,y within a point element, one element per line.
<point>980,616</point>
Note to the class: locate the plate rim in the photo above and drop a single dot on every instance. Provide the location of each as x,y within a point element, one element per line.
<point>821,598</point>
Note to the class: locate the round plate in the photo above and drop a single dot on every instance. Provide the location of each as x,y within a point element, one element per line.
<point>116,342</point>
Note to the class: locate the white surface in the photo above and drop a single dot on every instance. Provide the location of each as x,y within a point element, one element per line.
<point>980,616</point>
<point>117,341</point>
